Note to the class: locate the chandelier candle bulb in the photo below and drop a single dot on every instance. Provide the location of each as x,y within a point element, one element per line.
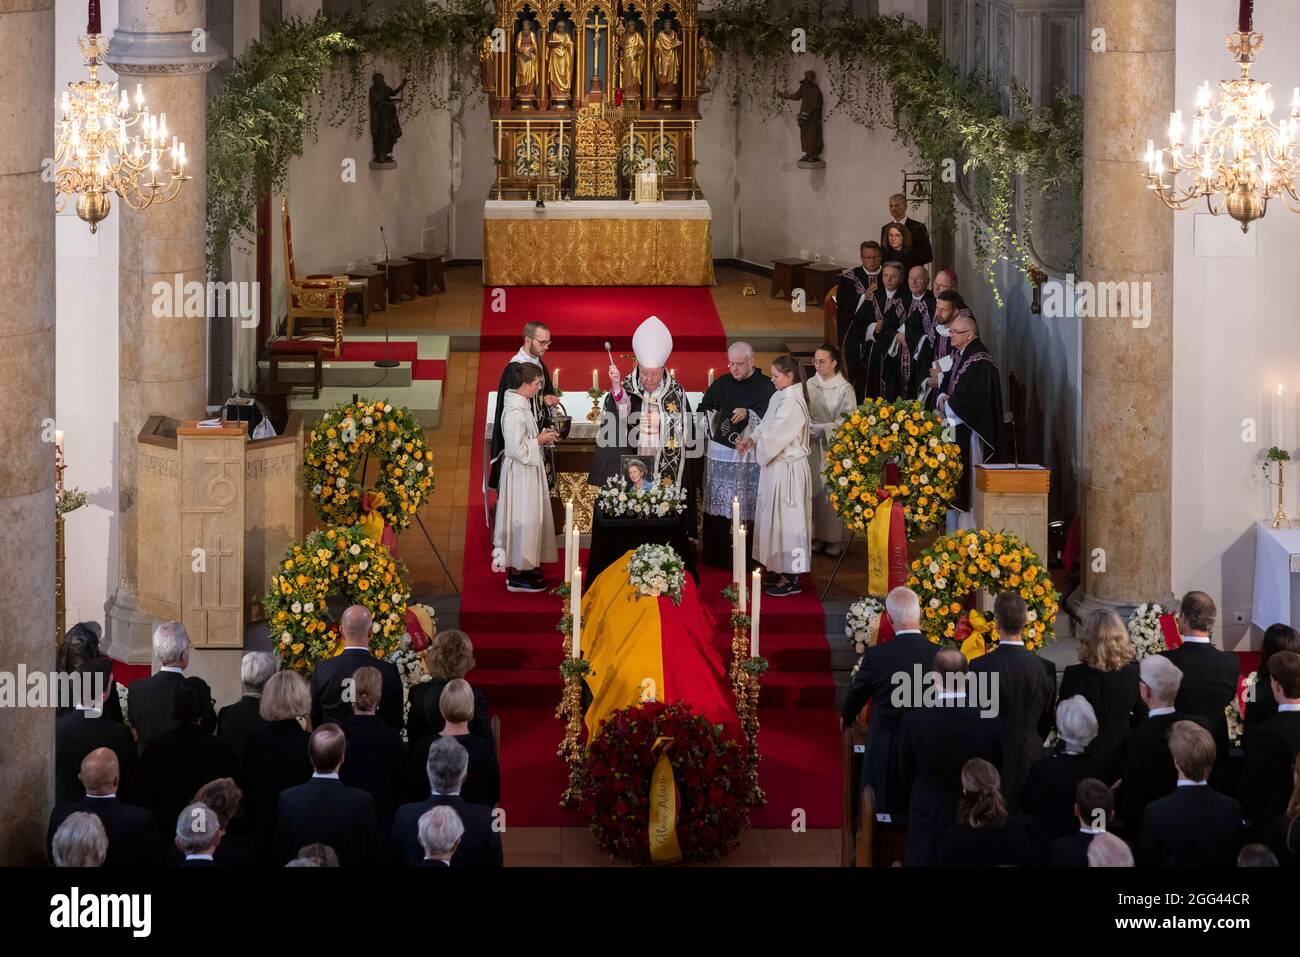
<point>753,614</point>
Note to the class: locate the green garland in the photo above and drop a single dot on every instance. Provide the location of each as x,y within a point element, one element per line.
<point>891,72</point>
<point>261,117</point>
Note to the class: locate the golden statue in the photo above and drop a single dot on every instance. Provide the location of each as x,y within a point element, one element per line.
<point>631,59</point>
<point>559,63</point>
<point>485,62</point>
<point>526,62</point>
<point>705,64</point>
<point>667,61</point>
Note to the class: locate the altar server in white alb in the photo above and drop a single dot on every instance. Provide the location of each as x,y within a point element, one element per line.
<point>524,536</point>
<point>830,398</point>
<point>783,515</point>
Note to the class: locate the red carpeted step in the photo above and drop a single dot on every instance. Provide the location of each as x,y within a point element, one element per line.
<point>517,651</point>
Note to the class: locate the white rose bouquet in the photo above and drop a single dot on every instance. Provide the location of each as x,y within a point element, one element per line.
<point>657,570</point>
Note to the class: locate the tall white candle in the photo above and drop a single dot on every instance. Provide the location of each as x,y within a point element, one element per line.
<point>740,575</point>
<point>58,436</point>
<point>555,381</point>
<point>1277,416</point>
<point>575,547</point>
<point>735,514</point>
<point>577,612</point>
<point>710,377</point>
<point>595,382</point>
<point>753,614</point>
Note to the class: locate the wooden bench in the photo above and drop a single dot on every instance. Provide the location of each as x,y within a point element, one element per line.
<point>401,274</point>
<point>818,280</point>
<point>296,352</point>
<point>428,272</point>
<point>787,275</point>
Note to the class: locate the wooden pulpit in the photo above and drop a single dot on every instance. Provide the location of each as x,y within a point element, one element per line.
<point>216,512</point>
<point>1014,500</point>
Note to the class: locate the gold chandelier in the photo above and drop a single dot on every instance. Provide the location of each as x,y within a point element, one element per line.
<point>1239,159</point>
<point>103,145</point>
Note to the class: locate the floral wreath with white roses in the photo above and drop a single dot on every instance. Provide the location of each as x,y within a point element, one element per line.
<point>334,563</point>
<point>657,570</point>
<point>1144,631</point>
<point>336,452</point>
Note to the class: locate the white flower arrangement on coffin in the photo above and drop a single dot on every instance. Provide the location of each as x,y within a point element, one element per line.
<point>617,499</point>
<point>1232,711</point>
<point>1144,631</point>
<point>122,699</point>
<point>657,570</point>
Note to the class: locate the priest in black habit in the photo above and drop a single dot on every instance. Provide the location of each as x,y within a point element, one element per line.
<point>889,307</point>
<point>854,316</point>
<point>537,340</point>
<point>970,396</point>
<point>936,349</point>
<point>904,371</point>
<point>736,402</point>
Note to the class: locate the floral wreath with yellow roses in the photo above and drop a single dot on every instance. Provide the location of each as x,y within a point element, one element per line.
<point>876,433</point>
<point>961,563</point>
<point>339,562</point>
<point>336,453</point>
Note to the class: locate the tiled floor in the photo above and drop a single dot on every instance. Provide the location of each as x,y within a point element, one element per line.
<point>574,847</point>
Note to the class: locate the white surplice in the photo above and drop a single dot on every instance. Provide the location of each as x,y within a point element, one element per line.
<point>783,514</point>
<point>525,530</point>
<point>828,399</point>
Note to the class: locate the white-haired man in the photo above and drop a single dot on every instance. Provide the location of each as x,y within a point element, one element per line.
<point>970,398</point>
<point>331,683</point>
<point>198,832</point>
<point>735,403</point>
<point>904,658</point>
<point>80,841</point>
<point>235,722</point>
<point>440,832</point>
<point>153,699</point>
<point>447,766</point>
<point>1143,764</point>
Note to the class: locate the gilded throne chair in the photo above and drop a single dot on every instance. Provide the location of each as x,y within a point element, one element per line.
<point>318,296</point>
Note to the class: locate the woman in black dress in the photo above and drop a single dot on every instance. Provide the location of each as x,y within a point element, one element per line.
<point>1263,706</point>
<point>483,775</point>
<point>275,754</point>
<point>451,656</point>
<point>898,248</point>
<point>1107,675</point>
<point>985,835</point>
<point>81,644</point>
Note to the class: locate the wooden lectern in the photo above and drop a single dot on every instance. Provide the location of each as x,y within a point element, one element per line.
<point>216,513</point>
<point>1014,500</point>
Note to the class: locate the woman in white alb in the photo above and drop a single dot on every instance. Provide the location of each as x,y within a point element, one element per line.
<point>783,513</point>
<point>830,396</point>
<point>523,538</point>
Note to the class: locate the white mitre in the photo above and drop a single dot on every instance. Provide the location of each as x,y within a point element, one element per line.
<point>652,343</point>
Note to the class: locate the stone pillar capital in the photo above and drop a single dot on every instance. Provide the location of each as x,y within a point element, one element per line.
<point>161,54</point>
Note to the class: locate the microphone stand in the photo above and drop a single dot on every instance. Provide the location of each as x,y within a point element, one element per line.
<point>386,362</point>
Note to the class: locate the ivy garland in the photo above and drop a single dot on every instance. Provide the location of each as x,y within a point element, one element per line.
<point>891,72</point>
<point>261,117</point>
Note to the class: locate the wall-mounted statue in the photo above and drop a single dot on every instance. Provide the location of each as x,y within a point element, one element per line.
<point>526,65</point>
<point>385,128</point>
<point>487,65</point>
<point>809,96</point>
<point>704,65</point>
<point>631,58</point>
<point>559,64</point>
<point>667,65</point>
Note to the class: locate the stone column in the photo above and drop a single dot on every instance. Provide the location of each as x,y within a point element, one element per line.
<point>162,362</point>
<point>26,427</point>
<point>1127,369</point>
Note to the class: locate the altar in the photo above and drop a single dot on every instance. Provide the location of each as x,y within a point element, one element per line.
<point>1277,576</point>
<point>597,243</point>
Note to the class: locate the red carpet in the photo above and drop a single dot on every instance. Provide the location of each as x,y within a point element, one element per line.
<point>515,642</point>
<point>403,351</point>
<point>583,317</point>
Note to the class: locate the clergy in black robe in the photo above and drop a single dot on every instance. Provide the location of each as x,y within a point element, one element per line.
<point>936,345</point>
<point>971,396</point>
<point>904,371</point>
<point>854,315</point>
<point>727,477</point>
<point>888,307</point>
<point>537,340</point>
<point>922,252</point>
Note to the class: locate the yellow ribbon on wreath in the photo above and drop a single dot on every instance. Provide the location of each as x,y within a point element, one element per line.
<point>664,848</point>
<point>372,522</point>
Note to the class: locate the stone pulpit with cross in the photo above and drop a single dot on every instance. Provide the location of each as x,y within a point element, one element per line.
<point>216,512</point>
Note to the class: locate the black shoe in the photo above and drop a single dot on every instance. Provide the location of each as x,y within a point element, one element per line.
<point>771,578</point>
<point>784,586</point>
<point>532,575</point>
<point>519,583</point>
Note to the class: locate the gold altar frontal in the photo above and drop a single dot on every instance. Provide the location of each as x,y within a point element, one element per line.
<point>579,243</point>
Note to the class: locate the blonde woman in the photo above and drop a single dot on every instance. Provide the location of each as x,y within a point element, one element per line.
<point>830,397</point>
<point>275,754</point>
<point>451,656</point>
<point>1107,675</point>
<point>783,513</point>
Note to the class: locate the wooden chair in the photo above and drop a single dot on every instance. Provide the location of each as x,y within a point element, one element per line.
<point>285,351</point>
<point>315,296</point>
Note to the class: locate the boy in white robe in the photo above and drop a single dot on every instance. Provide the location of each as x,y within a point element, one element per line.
<point>524,535</point>
<point>783,513</point>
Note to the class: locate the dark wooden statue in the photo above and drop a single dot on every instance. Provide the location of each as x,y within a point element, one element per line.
<point>809,96</point>
<point>385,127</point>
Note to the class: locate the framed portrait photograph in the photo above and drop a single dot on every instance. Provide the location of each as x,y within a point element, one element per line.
<point>637,472</point>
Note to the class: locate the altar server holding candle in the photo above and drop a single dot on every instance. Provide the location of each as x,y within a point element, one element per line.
<point>524,531</point>
<point>783,514</point>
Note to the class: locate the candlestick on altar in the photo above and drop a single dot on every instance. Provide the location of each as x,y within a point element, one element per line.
<point>595,382</point>
<point>753,613</point>
<point>1277,417</point>
<point>577,612</point>
<point>740,577</point>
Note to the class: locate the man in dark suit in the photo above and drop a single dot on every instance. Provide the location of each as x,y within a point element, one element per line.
<point>1195,826</point>
<point>331,684</point>
<point>84,728</point>
<point>908,654</point>
<point>327,811</point>
<point>934,742</point>
<point>1094,807</point>
<point>1143,765</point>
<point>198,833</point>
<point>1271,747</point>
<point>182,760</point>
<point>1209,675</point>
<point>440,832</point>
<point>480,846</point>
<point>921,247</point>
<point>132,835</point>
<point>235,722</point>
<point>1022,687</point>
<point>151,700</point>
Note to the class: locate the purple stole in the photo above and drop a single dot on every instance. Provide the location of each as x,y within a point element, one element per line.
<point>966,364</point>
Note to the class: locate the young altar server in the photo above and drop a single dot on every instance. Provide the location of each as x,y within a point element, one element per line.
<point>783,514</point>
<point>830,397</point>
<point>524,536</point>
